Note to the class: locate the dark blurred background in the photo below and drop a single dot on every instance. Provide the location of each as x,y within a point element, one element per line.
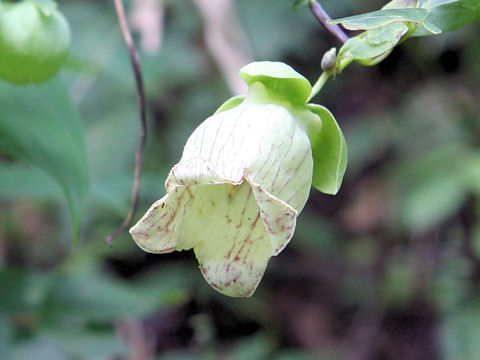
<point>388,269</point>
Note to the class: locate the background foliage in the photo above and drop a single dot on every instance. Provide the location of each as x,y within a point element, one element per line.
<point>389,268</point>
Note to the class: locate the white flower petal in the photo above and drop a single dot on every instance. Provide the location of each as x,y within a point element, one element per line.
<point>196,171</point>
<point>154,232</point>
<point>285,168</point>
<point>229,237</point>
<point>278,217</point>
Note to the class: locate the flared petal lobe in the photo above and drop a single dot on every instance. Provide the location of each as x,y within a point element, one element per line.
<point>244,176</point>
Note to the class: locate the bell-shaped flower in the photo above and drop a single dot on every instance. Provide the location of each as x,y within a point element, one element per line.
<point>244,176</point>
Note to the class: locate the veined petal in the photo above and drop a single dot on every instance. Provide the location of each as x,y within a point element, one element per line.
<point>278,217</point>
<point>155,231</point>
<point>230,240</point>
<point>196,171</point>
<point>284,163</point>
<point>233,229</point>
<point>260,141</point>
<point>158,230</point>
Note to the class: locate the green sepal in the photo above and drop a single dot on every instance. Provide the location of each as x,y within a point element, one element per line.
<point>231,103</point>
<point>279,79</point>
<point>329,150</point>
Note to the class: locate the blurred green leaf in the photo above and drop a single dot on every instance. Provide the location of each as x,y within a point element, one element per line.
<point>376,19</point>
<point>448,15</point>
<point>255,347</point>
<point>99,297</point>
<point>40,348</point>
<point>40,124</point>
<point>88,344</point>
<point>400,278</point>
<point>451,284</point>
<point>23,292</point>
<point>471,170</point>
<point>20,181</point>
<point>60,343</point>
<point>299,4</point>
<point>88,295</point>
<point>5,336</point>
<point>433,187</point>
<point>460,333</point>
<point>329,153</point>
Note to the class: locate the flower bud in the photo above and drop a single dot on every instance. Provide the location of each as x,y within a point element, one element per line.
<point>34,41</point>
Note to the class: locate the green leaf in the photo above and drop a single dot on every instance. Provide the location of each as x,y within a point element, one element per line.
<point>255,347</point>
<point>432,187</point>
<point>299,4</point>
<point>376,19</point>
<point>329,153</point>
<point>40,125</point>
<point>231,103</point>
<point>85,343</point>
<point>459,336</point>
<point>20,181</point>
<point>6,333</point>
<point>372,46</point>
<point>448,15</point>
<point>280,79</point>
<point>401,4</point>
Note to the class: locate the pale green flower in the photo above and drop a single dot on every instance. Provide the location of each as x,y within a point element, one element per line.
<point>244,176</point>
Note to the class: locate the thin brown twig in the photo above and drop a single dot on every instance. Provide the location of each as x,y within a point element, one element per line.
<point>137,70</point>
<point>323,17</point>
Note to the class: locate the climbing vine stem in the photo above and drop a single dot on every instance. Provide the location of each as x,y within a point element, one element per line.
<point>323,17</point>
<point>137,70</point>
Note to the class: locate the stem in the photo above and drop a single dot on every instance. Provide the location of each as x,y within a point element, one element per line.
<point>323,17</point>
<point>137,70</point>
<point>318,85</point>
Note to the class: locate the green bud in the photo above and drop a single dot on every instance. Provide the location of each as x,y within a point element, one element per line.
<point>34,41</point>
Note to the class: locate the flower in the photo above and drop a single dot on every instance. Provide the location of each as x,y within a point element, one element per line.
<point>244,176</point>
